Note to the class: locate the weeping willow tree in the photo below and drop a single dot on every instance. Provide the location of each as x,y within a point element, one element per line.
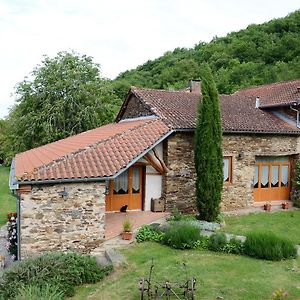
<point>208,149</point>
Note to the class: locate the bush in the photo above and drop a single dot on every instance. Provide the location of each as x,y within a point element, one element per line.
<point>46,292</point>
<point>182,235</point>
<point>234,246</point>
<point>62,270</point>
<point>217,242</point>
<point>176,215</point>
<point>268,246</point>
<point>149,233</point>
<point>12,235</point>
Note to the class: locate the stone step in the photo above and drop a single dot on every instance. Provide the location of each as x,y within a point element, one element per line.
<point>115,257</point>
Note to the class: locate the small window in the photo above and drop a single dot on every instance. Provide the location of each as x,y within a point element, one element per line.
<point>227,169</point>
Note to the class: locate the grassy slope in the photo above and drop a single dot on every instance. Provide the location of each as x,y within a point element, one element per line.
<point>285,223</point>
<point>232,277</point>
<point>7,200</point>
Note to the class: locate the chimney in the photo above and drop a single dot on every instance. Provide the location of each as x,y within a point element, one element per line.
<point>298,89</point>
<point>257,102</point>
<point>195,86</point>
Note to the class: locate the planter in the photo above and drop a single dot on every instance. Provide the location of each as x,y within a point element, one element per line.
<point>285,205</point>
<point>267,207</point>
<point>127,235</point>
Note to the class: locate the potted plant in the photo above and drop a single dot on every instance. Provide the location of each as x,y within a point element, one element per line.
<point>267,206</point>
<point>127,230</point>
<point>285,205</point>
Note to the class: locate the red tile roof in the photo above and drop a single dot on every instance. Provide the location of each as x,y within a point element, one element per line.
<point>274,94</point>
<point>178,109</point>
<point>100,152</point>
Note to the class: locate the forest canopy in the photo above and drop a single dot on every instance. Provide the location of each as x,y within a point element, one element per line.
<point>257,55</point>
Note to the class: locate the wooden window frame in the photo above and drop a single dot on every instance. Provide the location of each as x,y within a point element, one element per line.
<point>230,169</point>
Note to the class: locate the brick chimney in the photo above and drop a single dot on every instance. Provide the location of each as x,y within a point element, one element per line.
<point>195,86</point>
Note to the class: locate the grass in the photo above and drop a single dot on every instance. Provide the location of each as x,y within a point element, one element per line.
<point>284,223</point>
<point>229,276</point>
<point>7,200</point>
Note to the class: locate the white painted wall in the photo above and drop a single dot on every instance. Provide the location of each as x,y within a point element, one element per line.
<point>153,184</point>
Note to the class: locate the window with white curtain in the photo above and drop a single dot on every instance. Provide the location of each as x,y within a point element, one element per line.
<point>121,183</point>
<point>135,180</point>
<point>227,169</point>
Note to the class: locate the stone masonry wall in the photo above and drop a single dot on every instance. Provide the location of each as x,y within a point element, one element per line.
<point>179,182</point>
<point>52,223</point>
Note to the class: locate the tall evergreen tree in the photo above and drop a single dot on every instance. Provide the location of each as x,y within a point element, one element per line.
<point>208,150</point>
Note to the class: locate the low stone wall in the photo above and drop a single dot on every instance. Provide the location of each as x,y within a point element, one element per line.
<point>179,182</point>
<point>50,222</point>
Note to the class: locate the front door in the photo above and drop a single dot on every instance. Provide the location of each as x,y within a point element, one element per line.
<point>272,179</point>
<point>126,189</point>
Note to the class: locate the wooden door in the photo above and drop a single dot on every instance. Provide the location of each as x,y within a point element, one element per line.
<point>126,189</point>
<point>272,180</point>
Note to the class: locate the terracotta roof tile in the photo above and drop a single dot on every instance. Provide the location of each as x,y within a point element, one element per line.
<point>100,152</point>
<point>274,94</point>
<point>178,108</point>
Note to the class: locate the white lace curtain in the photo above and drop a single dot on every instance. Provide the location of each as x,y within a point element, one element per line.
<point>135,180</point>
<point>226,169</point>
<point>121,183</point>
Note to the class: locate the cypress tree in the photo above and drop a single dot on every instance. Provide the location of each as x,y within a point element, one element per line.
<point>208,150</point>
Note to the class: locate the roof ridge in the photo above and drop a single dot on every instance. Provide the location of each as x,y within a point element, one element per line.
<point>89,147</point>
<point>159,90</point>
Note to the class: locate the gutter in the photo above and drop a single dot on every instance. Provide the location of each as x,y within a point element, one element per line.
<point>13,183</point>
<point>18,226</point>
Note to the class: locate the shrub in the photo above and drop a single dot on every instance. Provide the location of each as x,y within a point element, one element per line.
<point>12,234</point>
<point>176,215</point>
<point>234,246</point>
<point>268,246</point>
<point>148,233</point>
<point>217,242</point>
<point>295,194</point>
<point>64,270</point>
<point>182,235</point>
<point>46,292</point>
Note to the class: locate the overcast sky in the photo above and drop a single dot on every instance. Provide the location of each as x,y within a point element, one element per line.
<point>118,34</point>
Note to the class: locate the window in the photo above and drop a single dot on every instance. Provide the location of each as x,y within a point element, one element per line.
<point>227,169</point>
<point>121,184</point>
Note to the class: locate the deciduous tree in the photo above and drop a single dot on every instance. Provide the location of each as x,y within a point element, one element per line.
<point>64,95</point>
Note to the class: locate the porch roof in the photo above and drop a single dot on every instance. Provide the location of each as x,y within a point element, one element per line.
<point>99,153</point>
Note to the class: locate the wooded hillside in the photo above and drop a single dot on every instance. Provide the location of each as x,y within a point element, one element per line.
<point>259,54</point>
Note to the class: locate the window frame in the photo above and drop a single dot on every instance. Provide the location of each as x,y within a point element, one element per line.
<point>229,181</point>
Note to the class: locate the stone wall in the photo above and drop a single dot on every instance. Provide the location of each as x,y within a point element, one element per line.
<point>179,182</point>
<point>136,108</point>
<point>52,223</point>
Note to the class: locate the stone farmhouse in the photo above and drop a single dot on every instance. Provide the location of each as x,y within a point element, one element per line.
<point>65,188</point>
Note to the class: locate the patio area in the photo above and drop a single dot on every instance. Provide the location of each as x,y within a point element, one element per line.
<point>114,221</point>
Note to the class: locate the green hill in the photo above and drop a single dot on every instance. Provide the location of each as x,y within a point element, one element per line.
<point>257,55</point>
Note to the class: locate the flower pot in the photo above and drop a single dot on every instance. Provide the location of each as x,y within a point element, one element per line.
<point>267,207</point>
<point>127,235</point>
<point>285,205</point>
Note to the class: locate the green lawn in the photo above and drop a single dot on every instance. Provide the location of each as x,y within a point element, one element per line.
<point>7,200</point>
<point>229,276</point>
<point>283,223</point>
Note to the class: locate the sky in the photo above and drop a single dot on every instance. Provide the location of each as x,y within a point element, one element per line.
<point>119,35</point>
